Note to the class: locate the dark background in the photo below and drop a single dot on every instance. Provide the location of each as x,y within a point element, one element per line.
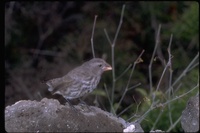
<point>45,40</point>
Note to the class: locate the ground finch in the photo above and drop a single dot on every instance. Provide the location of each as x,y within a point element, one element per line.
<point>79,81</point>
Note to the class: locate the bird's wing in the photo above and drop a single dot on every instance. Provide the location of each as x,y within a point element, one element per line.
<point>79,75</point>
<point>69,87</point>
<point>58,83</point>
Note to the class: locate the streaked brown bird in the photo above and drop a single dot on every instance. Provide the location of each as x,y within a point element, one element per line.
<point>79,81</point>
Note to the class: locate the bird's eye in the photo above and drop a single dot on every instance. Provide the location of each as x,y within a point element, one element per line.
<point>100,65</point>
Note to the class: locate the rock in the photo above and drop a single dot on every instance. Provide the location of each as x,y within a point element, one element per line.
<point>190,116</point>
<point>49,115</point>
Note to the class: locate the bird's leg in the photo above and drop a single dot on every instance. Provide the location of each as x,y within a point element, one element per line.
<point>84,103</point>
<point>72,106</point>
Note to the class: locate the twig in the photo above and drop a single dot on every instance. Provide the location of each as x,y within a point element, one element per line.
<point>170,78</point>
<point>112,51</point>
<point>175,123</point>
<point>138,60</point>
<point>138,84</point>
<point>166,66</point>
<point>177,97</point>
<point>151,62</point>
<point>164,104</point>
<point>158,117</point>
<point>124,72</point>
<point>119,26</point>
<point>192,67</point>
<point>111,105</point>
<point>161,78</point>
<point>185,71</point>
<point>125,110</point>
<point>92,44</point>
<point>106,33</point>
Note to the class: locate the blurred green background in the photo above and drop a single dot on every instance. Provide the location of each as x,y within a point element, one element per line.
<point>45,40</point>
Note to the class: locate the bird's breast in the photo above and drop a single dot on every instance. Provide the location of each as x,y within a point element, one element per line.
<point>91,83</point>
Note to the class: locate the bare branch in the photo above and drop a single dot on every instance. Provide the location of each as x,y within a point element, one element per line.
<point>170,78</point>
<point>112,51</point>
<point>119,26</point>
<point>153,55</point>
<point>92,44</point>
<point>106,33</point>
<point>124,72</point>
<point>127,86</point>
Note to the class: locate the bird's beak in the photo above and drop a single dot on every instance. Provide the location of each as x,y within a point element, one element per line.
<point>107,68</point>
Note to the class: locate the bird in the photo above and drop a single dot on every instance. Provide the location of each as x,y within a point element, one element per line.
<point>80,80</point>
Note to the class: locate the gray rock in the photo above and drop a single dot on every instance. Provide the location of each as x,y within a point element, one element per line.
<point>190,116</point>
<point>50,115</point>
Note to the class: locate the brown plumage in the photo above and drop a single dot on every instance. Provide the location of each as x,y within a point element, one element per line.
<point>79,81</point>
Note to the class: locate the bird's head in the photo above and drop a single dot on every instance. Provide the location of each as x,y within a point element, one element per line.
<point>97,65</point>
